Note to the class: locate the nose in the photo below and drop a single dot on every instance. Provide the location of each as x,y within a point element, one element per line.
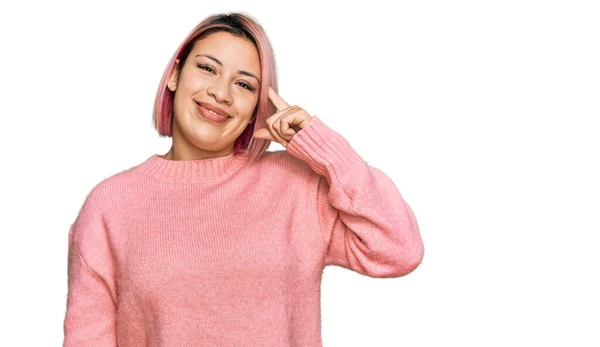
<point>219,90</point>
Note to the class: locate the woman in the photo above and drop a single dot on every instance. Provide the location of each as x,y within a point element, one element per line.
<point>219,242</point>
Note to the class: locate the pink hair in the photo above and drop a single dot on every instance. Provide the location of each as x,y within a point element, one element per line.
<point>241,25</point>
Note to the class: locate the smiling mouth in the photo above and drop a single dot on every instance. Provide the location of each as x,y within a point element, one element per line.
<point>211,117</point>
<point>213,112</point>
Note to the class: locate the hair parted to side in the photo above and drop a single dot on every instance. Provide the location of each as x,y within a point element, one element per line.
<point>241,25</point>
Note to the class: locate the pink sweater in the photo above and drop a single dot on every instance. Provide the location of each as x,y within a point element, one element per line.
<point>221,252</point>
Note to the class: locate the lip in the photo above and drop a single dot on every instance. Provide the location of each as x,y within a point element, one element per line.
<point>214,108</point>
<point>215,118</point>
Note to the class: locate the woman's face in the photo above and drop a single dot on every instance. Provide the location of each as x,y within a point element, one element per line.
<point>223,71</point>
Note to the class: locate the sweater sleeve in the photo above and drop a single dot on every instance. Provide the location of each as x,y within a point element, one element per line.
<point>367,225</point>
<point>90,318</point>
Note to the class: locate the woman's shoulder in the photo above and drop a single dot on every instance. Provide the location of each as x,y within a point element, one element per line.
<point>283,162</point>
<point>282,169</point>
<point>109,188</point>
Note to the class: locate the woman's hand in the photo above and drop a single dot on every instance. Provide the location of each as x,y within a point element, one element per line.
<point>285,123</point>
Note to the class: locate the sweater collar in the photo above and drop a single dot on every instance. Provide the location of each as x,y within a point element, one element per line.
<point>193,171</point>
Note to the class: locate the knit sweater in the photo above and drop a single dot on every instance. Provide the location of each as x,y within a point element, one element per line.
<point>228,252</point>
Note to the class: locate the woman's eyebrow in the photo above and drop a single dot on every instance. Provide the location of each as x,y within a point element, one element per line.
<point>219,62</point>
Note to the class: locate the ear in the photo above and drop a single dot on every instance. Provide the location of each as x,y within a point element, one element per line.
<point>172,83</point>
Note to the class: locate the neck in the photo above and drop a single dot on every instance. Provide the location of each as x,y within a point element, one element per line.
<point>181,149</point>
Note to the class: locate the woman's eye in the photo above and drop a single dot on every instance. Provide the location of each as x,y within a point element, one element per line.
<point>205,67</point>
<point>247,86</point>
<point>209,69</point>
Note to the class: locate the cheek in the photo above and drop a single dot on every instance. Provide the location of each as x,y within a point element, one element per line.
<point>248,105</point>
<point>195,83</point>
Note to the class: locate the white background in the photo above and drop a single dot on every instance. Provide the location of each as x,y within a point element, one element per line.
<point>483,113</point>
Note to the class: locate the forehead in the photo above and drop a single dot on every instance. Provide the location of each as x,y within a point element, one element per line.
<point>229,49</point>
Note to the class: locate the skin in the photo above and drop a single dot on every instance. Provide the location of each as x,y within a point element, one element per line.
<point>203,79</point>
<point>285,123</point>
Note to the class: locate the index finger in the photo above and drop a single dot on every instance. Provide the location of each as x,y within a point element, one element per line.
<point>277,100</point>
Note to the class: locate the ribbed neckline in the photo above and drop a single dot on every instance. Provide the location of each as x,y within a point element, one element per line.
<point>193,171</point>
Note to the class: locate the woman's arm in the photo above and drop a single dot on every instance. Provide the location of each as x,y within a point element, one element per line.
<point>369,227</point>
<point>90,318</point>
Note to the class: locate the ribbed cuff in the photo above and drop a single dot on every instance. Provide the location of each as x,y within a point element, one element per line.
<point>323,148</point>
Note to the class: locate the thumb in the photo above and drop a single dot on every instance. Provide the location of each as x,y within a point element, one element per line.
<point>263,134</point>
